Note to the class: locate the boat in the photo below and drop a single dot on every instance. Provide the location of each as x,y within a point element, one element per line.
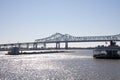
<point>14,51</point>
<point>107,52</point>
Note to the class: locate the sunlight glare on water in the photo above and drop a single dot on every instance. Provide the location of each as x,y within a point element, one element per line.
<point>76,65</point>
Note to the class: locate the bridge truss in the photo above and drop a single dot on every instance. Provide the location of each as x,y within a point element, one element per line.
<point>58,37</point>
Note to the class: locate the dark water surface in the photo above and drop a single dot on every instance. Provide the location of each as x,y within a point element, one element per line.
<point>78,65</point>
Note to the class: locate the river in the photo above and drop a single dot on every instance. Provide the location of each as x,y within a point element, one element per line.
<point>75,65</point>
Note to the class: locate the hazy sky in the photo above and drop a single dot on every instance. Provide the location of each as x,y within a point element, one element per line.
<point>27,20</point>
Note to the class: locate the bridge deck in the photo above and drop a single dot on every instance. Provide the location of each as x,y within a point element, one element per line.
<point>60,38</point>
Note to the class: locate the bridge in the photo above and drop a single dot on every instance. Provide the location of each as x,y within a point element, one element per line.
<point>57,38</point>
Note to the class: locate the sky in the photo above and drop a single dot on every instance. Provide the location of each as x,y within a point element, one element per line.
<point>27,20</point>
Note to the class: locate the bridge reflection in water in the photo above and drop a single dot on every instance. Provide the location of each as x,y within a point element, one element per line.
<point>57,38</point>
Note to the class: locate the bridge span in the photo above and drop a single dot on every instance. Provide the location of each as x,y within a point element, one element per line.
<point>57,38</point>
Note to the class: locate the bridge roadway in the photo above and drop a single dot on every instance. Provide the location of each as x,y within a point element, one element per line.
<point>58,38</point>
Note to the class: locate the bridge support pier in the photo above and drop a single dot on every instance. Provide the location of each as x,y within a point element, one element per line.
<point>35,45</point>
<point>15,45</point>
<point>44,45</point>
<point>66,45</point>
<point>58,45</point>
<point>5,47</point>
<point>12,45</point>
<point>19,46</point>
<point>27,45</point>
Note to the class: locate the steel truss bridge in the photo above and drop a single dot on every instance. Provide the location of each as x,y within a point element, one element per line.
<point>58,38</point>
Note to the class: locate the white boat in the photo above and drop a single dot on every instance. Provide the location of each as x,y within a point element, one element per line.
<point>110,52</point>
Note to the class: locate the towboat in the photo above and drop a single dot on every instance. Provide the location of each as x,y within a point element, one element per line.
<point>14,51</point>
<point>109,52</point>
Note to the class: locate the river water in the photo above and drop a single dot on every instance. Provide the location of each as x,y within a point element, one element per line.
<point>75,65</point>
